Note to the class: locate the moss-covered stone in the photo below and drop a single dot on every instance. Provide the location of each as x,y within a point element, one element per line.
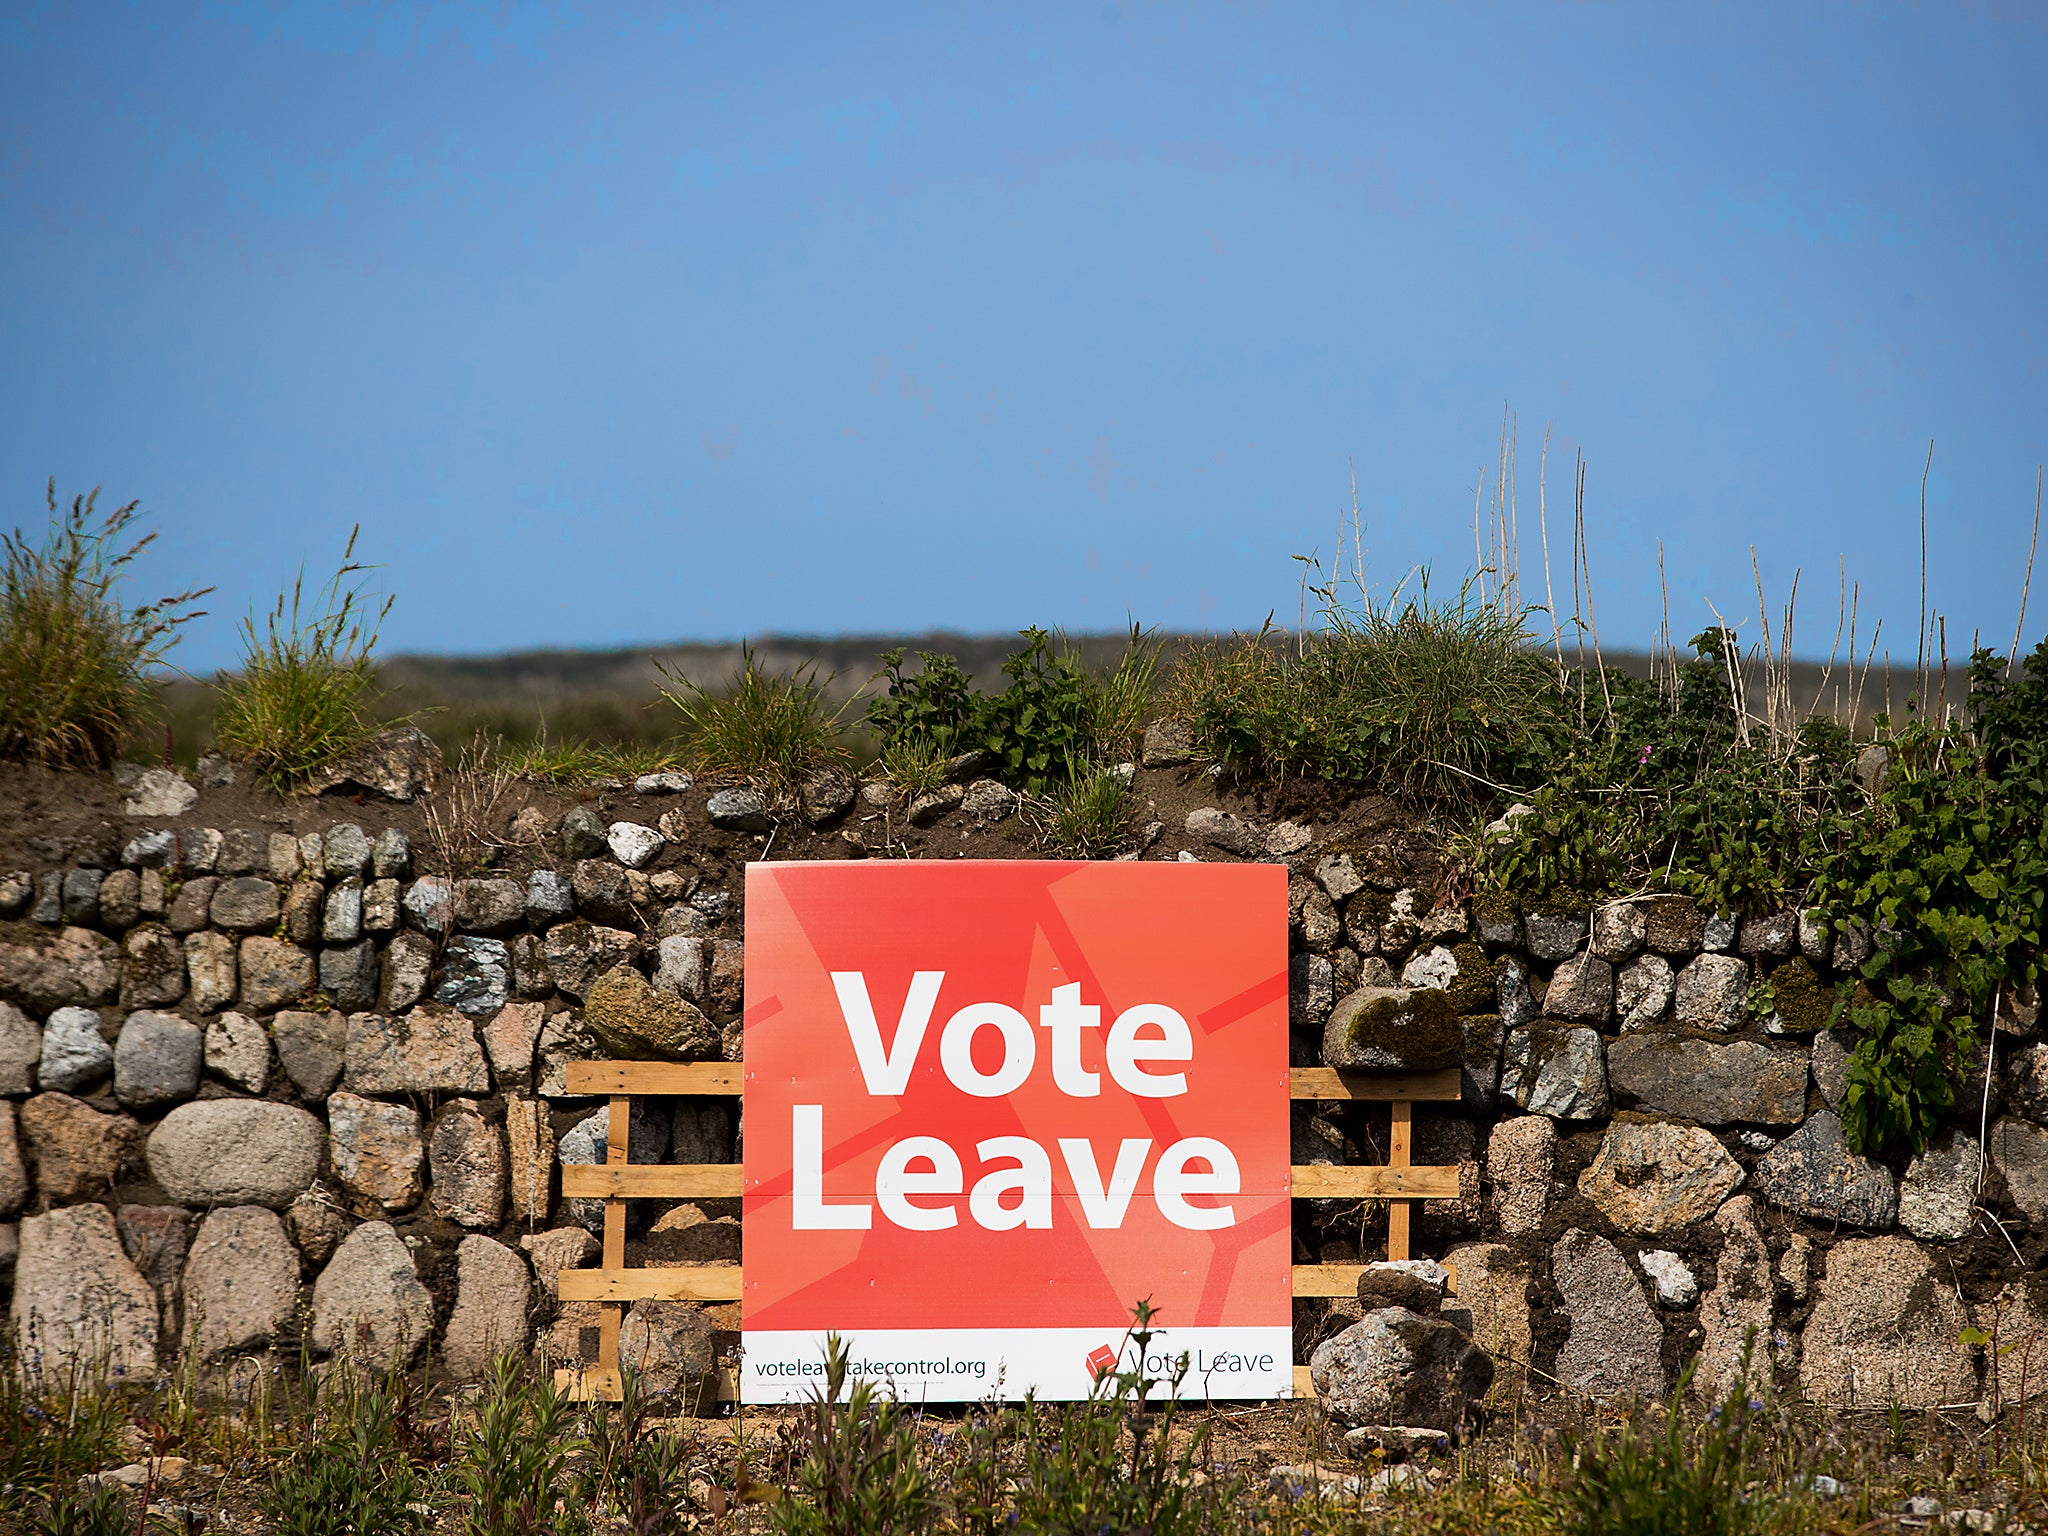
<point>1473,990</point>
<point>1394,1029</point>
<point>632,1020</point>
<point>1802,1001</point>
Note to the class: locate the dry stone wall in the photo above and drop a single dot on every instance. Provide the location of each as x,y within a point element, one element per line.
<point>262,1088</point>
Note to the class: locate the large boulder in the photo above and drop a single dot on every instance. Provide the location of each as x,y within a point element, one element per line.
<point>670,1344</point>
<point>400,764</point>
<point>80,1305</point>
<point>1615,1345</point>
<point>1394,1029</point>
<point>369,1303</point>
<point>492,1286</point>
<point>1739,1083</point>
<point>1886,1329</point>
<point>632,1020</point>
<point>78,1151</point>
<point>1812,1173</point>
<point>241,1282</point>
<point>432,1049</point>
<point>1561,1073</point>
<point>81,969</point>
<point>1650,1178</point>
<point>236,1152</point>
<point>1393,1366</point>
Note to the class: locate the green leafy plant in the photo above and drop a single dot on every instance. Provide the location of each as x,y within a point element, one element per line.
<point>511,1457</point>
<point>934,712</point>
<point>303,696</point>
<point>632,1470</point>
<point>53,1430</point>
<point>354,1469</point>
<point>861,1475</point>
<point>75,667</point>
<point>765,726</point>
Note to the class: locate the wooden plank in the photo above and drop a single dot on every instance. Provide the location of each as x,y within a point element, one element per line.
<point>654,1181</point>
<point>1309,1279</point>
<point>1316,1182</point>
<point>1303,1387</point>
<point>594,1385</point>
<point>1374,1087</point>
<point>618,1136</point>
<point>682,1283</point>
<point>666,1077</point>
<point>1397,1157</point>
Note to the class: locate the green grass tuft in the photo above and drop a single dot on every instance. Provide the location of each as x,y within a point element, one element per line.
<point>759,725</point>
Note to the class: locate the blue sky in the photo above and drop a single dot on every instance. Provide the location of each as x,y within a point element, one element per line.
<point>618,324</point>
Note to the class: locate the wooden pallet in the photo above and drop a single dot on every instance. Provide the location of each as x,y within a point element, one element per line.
<point>615,1181</point>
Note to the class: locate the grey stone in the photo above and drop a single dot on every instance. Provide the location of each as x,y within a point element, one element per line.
<point>345,851</point>
<point>348,975</point>
<point>238,1051</point>
<point>1938,1194</point>
<point>1311,992</point>
<point>243,852</point>
<point>14,1184</point>
<point>153,968</point>
<point>1582,990</point>
<point>530,978</point>
<point>311,1047</point>
<point>1735,1317</point>
<point>401,763</point>
<point>1776,935</point>
<point>241,1282</point>
<point>2019,1151</point>
<point>275,973</point>
<point>368,1302</point>
<point>563,1039</point>
<point>1521,1160</point>
<point>81,896</point>
<point>1718,936</point>
<point>120,899</point>
<point>191,909</point>
<point>1435,967</point>
<point>1394,1367</point>
<point>78,1152</point>
<point>634,845</point>
<point>1168,744</point>
<point>49,903</point>
<point>579,952</point>
<point>80,968</point>
<point>81,1307</point>
<point>21,1048</point>
<point>508,1041</point>
<point>1337,875</point>
<point>663,784</point>
<point>583,834</point>
<point>928,806</point>
<point>236,1152</point>
<point>492,1288</point>
<point>1642,992</point>
<point>1739,1082</point>
<point>1886,1329</point>
<point>150,902</point>
<point>466,1166</point>
<point>826,795</point>
<point>1285,839</point>
<point>1498,922</point>
<point>376,1152</point>
<point>284,864</point>
<point>432,1049</point>
<point>313,854</point>
<point>682,968</point>
<point>75,1055</point>
<point>17,890</point>
<point>494,906</point>
<point>1220,829</point>
<point>2026,1082</point>
<point>1812,1173</point>
<point>1615,1344</point>
<point>391,855</point>
<point>215,771</point>
<point>1313,915</point>
<point>670,1344</point>
<point>1555,935</point>
<point>1557,1072</point>
<point>1815,940</point>
<point>245,904</point>
<point>341,920</point>
<point>305,905</point>
<point>157,1060</point>
<point>212,971</point>
<point>1652,1178</point>
<point>549,898</point>
<point>475,975</point>
<point>317,1224</point>
<point>160,792</point>
<point>738,810</point>
<point>1479,1081</point>
<point>1712,993</point>
<point>1672,1276</point>
<point>428,904</point>
<point>380,906</point>
<point>988,801</point>
<point>1393,1029</point>
<point>408,964</point>
<point>1619,931</point>
<point>1518,1005</point>
<point>604,891</point>
<point>1854,945</point>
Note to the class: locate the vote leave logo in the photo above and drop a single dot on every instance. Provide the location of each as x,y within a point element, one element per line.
<point>991,1103</point>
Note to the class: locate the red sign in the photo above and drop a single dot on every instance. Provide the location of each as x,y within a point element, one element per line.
<point>991,1105</point>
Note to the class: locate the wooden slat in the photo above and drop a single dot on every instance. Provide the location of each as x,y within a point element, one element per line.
<point>654,1181</point>
<point>681,1283</point>
<point>1397,1157</point>
<point>1309,1279</point>
<point>1303,1387</point>
<point>1316,1182</point>
<point>597,1384</point>
<point>1374,1087</point>
<point>666,1077</point>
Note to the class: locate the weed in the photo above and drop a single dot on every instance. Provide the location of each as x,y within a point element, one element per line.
<point>302,697</point>
<point>934,712</point>
<point>861,1475</point>
<point>1087,817</point>
<point>463,821</point>
<point>914,765</point>
<point>549,760</point>
<point>353,1471</point>
<point>634,1472</point>
<point>74,666</point>
<point>50,1434</point>
<point>769,728</point>
<point>511,1460</point>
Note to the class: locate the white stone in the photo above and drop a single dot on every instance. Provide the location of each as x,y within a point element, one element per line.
<point>632,844</point>
<point>1675,1282</point>
<point>160,792</point>
<point>238,1051</point>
